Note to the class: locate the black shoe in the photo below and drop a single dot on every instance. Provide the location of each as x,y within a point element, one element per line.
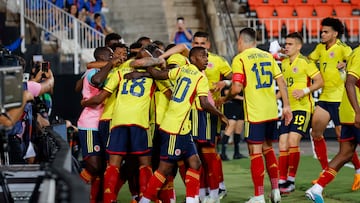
<point>224,157</point>
<point>239,156</point>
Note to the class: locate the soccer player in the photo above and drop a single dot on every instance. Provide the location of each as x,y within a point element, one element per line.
<point>331,54</point>
<point>93,149</point>
<point>298,72</point>
<point>255,71</point>
<point>217,69</point>
<point>176,140</point>
<point>349,112</point>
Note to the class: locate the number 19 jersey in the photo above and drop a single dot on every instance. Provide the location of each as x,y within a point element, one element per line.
<point>260,69</point>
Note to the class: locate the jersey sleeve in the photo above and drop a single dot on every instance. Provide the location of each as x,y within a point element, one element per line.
<point>354,64</point>
<point>202,87</point>
<point>112,82</point>
<point>276,69</point>
<point>314,55</point>
<point>91,74</point>
<point>225,68</point>
<point>312,70</point>
<point>173,73</point>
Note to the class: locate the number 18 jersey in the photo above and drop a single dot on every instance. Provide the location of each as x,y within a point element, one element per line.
<point>260,69</point>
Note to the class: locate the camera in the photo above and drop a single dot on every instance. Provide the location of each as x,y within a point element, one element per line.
<point>45,66</point>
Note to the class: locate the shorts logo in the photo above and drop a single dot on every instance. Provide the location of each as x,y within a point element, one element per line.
<point>97,148</point>
<point>177,152</point>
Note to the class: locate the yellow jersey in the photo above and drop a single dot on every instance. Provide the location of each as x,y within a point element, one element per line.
<point>260,69</point>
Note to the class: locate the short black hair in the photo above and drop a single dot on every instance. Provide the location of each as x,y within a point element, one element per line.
<point>135,45</point>
<point>143,38</point>
<point>335,23</point>
<point>118,45</point>
<point>249,34</point>
<point>169,46</point>
<point>112,36</point>
<point>195,51</point>
<point>295,35</point>
<point>180,18</point>
<point>100,51</point>
<point>201,34</point>
<point>96,15</point>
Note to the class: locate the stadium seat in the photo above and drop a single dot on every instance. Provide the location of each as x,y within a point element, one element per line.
<point>343,10</point>
<point>313,26</point>
<point>254,3</point>
<point>276,2</point>
<point>315,2</point>
<point>352,26</point>
<point>304,11</point>
<point>334,2</point>
<point>293,25</point>
<point>264,11</point>
<point>272,26</point>
<point>323,11</point>
<point>285,11</point>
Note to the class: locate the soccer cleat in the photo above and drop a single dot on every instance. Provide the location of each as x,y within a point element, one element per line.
<point>222,193</point>
<point>210,200</point>
<point>315,197</point>
<point>275,196</point>
<point>356,183</point>
<point>133,201</point>
<point>224,157</point>
<point>288,187</point>
<point>257,199</point>
<point>239,156</point>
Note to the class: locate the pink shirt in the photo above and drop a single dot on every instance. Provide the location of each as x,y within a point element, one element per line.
<point>34,88</point>
<point>90,116</point>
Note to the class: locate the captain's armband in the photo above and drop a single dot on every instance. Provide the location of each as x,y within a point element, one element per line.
<point>238,77</point>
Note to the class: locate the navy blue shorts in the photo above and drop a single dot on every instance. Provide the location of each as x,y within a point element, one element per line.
<point>349,133</point>
<point>257,133</point>
<point>333,109</point>
<point>91,143</point>
<point>129,140</point>
<point>300,123</point>
<point>176,147</point>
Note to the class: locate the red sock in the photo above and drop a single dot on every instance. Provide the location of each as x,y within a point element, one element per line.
<point>294,159</point>
<point>203,172</point>
<point>111,177</point>
<point>166,192</point>
<point>212,176</point>
<point>182,170</point>
<point>257,173</point>
<point>355,161</point>
<point>86,176</point>
<point>272,167</point>
<point>220,168</point>
<point>192,182</point>
<point>326,177</point>
<point>145,173</point>
<point>321,152</point>
<point>155,184</point>
<point>95,189</point>
<point>283,165</point>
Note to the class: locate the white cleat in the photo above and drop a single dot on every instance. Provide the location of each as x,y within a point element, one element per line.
<point>275,196</point>
<point>256,199</point>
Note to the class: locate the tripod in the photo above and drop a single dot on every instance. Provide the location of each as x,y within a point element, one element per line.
<point>4,162</point>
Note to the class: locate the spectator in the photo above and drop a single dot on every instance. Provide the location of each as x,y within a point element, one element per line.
<point>182,34</point>
<point>79,4</point>
<point>97,25</point>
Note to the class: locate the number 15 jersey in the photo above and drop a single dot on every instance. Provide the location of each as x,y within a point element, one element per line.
<point>260,69</point>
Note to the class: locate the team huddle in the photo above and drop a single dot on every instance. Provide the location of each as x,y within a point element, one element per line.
<point>150,113</point>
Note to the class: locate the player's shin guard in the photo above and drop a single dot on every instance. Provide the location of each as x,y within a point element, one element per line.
<point>272,167</point>
<point>145,173</point>
<point>182,169</point>
<point>155,184</point>
<point>111,177</point>
<point>192,183</point>
<point>95,190</point>
<point>294,159</point>
<point>355,161</point>
<point>283,165</point>
<point>257,173</point>
<point>326,177</point>
<point>212,176</point>
<point>321,152</point>
<point>166,194</point>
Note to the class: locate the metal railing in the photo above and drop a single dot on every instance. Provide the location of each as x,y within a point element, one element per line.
<point>227,27</point>
<point>74,35</point>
